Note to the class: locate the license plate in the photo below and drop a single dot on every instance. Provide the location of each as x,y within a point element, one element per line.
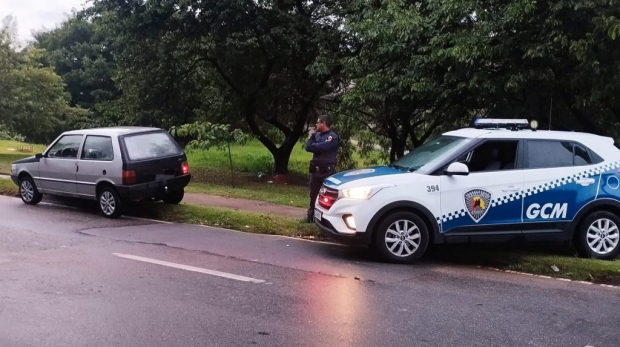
<point>318,215</point>
<point>163,177</point>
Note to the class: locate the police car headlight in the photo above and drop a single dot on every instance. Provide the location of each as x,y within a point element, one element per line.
<point>13,169</point>
<point>363,193</point>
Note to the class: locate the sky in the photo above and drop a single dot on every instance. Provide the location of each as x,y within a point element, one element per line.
<point>38,14</point>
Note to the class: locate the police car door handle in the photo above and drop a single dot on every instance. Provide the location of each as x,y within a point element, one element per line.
<point>510,189</point>
<point>585,181</point>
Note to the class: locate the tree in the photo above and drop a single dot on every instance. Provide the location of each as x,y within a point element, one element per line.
<point>80,52</point>
<point>9,26</point>
<point>532,59</point>
<point>33,102</point>
<point>205,136</point>
<point>274,58</point>
<point>428,66</point>
<point>391,94</point>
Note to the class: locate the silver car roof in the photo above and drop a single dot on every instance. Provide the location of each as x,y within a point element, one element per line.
<point>111,131</point>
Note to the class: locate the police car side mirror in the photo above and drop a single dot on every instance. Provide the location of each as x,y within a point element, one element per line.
<point>457,169</point>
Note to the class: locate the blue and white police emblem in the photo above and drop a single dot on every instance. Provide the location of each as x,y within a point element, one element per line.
<point>477,202</point>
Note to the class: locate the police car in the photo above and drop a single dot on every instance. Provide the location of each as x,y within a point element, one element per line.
<point>498,180</point>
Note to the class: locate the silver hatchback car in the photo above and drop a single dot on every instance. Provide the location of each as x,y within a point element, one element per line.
<point>110,165</point>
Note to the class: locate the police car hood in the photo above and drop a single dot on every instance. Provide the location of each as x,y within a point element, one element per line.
<point>366,176</point>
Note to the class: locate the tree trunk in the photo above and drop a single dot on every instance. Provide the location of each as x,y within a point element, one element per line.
<point>281,159</point>
<point>232,172</point>
<point>281,155</point>
<point>397,150</point>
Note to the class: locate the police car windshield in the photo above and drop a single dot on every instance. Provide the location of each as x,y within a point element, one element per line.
<point>431,153</point>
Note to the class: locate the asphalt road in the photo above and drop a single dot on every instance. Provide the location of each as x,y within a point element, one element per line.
<point>72,278</point>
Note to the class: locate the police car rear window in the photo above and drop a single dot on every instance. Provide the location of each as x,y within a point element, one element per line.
<point>150,146</point>
<point>542,154</point>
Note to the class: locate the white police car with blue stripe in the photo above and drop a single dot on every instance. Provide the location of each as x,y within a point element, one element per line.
<point>499,180</point>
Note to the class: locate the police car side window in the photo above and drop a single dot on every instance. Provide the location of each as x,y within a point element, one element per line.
<point>582,157</point>
<point>542,154</point>
<point>492,156</point>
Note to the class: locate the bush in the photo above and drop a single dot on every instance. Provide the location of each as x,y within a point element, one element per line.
<point>7,134</point>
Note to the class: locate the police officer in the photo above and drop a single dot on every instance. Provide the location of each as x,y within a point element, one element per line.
<point>324,144</point>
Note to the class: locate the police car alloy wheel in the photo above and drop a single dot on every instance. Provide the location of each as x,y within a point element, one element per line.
<point>402,237</point>
<point>28,191</point>
<point>600,235</point>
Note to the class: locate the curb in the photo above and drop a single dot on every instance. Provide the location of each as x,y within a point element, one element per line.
<point>547,277</point>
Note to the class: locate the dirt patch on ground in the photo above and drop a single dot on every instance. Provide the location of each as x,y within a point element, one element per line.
<point>244,205</point>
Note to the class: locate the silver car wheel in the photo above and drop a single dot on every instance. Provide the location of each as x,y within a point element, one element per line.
<point>403,238</point>
<point>107,203</point>
<point>27,191</point>
<point>603,236</point>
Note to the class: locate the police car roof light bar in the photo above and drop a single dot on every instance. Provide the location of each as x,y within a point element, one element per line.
<point>493,123</point>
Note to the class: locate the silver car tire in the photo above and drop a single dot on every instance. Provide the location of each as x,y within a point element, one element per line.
<point>109,202</point>
<point>28,191</point>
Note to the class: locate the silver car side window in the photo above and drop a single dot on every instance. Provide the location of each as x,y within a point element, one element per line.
<point>98,148</point>
<point>67,147</point>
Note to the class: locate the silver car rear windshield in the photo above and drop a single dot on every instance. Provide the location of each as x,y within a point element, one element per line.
<point>151,146</point>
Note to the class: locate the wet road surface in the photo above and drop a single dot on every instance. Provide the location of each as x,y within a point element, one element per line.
<point>72,278</point>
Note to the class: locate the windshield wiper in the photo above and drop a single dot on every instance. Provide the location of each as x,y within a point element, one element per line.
<point>400,167</point>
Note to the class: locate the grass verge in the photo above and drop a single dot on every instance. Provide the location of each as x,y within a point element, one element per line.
<point>280,194</point>
<point>225,218</point>
<point>534,258</point>
<point>7,187</point>
<point>253,157</point>
<point>11,151</point>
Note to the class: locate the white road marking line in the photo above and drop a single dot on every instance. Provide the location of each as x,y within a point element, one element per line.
<point>190,268</point>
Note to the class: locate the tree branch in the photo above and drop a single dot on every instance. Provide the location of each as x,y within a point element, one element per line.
<point>249,117</point>
<point>283,128</point>
<point>264,78</point>
<point>429,131</point>
<point>191,68</point>
<point>300,8</point>
<point>219,69</point>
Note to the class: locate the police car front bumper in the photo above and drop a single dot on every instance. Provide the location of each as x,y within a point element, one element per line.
<point>334,227</point>
<point>330,232</point>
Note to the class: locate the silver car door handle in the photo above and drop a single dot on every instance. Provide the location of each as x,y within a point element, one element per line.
<point>510,189</point>
<point>585,181</point>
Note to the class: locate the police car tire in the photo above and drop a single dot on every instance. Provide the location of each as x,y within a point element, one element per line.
<point>585,248</point>
<point>381,247</point>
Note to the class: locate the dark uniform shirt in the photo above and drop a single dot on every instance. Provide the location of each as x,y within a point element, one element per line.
<point>324,146</point>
